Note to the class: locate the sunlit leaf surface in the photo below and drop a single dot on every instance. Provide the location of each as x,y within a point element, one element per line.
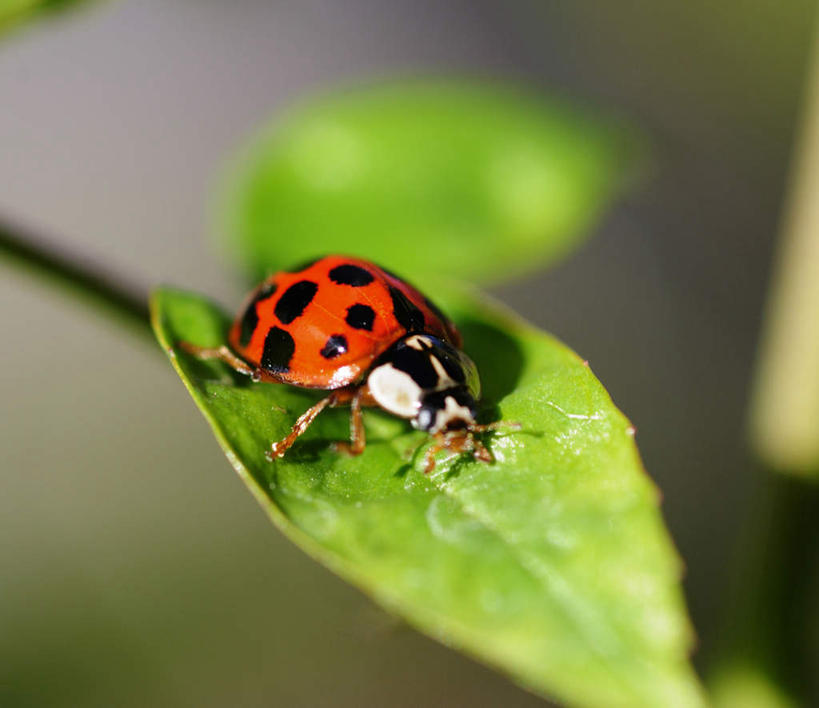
<point>464,179</point>
<point>552,564</point>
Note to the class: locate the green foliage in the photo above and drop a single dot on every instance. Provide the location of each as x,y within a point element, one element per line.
<point>552,564</point>
<point>12,12</point>
<point>463,179</point>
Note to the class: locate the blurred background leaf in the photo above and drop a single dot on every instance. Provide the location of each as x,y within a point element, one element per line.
<point>552,564</point>
<point>468,179</point>
<point>13,12</point>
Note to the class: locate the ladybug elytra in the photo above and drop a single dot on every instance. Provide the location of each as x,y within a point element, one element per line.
<point>348,326</point>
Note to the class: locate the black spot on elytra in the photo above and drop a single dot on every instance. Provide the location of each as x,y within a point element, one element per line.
<point>334,346</point>
<point>250,318</point>
<point>360,317</point>
<point>407,314</point>
<point>351,275</point>
<point>294,300</point>
<point>415,363</point>
<point>278,350</point>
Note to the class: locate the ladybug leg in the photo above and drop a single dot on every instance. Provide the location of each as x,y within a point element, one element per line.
<point>357,436</point>
<point>222,354</point>
<point>432,450</point>
<point>480,452</point>
<point>459,442</point>
<point>303,422</point>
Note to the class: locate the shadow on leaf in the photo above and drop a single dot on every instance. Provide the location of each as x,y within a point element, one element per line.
<point>498,357</point>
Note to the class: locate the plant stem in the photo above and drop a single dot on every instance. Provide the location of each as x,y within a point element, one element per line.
<point>86,281</point>
<point>764,661</point>
<point>785,407</point>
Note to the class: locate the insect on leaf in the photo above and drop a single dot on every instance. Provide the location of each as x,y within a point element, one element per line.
<point>553,564</point>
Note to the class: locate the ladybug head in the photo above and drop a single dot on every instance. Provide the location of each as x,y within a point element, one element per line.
<point>436,386</point>
<point>447,410</point>
<point>427,380</point>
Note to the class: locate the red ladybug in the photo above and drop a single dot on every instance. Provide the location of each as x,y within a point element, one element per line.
<point>348,326</point>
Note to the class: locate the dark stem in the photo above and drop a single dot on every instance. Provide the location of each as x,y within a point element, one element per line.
<point>76,274</point>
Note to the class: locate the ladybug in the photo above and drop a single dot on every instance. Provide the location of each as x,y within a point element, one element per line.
<point>351,327</point>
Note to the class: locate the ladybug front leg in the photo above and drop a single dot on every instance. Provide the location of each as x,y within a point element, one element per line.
<point>222,354</point>
<point>301,425</point>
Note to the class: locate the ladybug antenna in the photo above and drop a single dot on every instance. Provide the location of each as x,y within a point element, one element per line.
<point>497,425</point>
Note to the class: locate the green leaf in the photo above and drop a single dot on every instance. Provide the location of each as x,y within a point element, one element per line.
<point>469,180</point>
<point>553,564</point>
<point>13,12</point>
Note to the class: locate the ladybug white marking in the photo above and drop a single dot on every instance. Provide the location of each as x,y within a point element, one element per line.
<point>395,391</point>
<point>451,413</point>
<point>342,374</point>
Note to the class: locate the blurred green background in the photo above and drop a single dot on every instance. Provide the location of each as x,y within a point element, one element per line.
<point>133,561</point>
